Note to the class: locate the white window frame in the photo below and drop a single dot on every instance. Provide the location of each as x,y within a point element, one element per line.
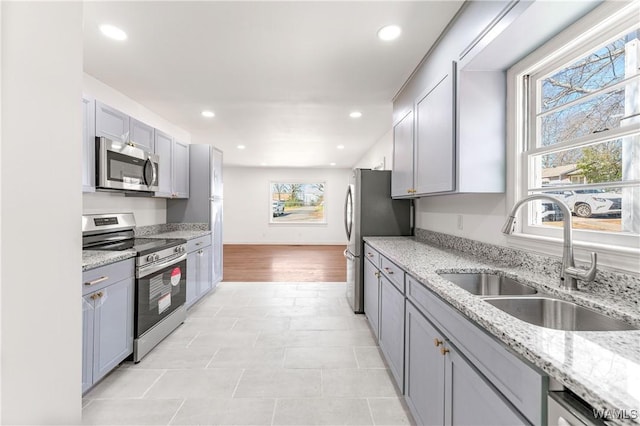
<point>616,251</point>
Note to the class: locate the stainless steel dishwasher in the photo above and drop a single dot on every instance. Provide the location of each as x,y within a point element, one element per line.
<point>565,409</point>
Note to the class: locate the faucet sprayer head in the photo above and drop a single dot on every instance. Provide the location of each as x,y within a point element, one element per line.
<point>507,228</point>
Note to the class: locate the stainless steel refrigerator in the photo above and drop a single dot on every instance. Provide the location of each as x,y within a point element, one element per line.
<point>204,204</point>
<point>370,211</point>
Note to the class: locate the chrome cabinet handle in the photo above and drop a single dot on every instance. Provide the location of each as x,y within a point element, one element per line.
<point>96,281</point>
<point>389,271</point>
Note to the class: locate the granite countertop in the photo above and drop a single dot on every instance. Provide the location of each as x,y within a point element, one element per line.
<point>603,368</point>
<point>187,235</point>
<point>92,259</point>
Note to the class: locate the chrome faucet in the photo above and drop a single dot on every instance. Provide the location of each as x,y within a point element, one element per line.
<point>569,274</point>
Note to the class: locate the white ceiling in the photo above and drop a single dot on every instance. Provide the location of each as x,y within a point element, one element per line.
<point>281,77</point>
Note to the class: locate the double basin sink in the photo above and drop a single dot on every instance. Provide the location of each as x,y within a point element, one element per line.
<point>525,303</point>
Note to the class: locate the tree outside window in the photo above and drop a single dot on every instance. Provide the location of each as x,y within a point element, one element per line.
<point>297,203</point>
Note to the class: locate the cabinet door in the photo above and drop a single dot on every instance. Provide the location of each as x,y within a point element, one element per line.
<point>180,169</point>
<point>470,399</point>
<point>371,295</point>
<point>111,123</point>
<point>424,369</point>
<point>392,329</point>
<point>88,144</point>
<point>434,153</point>
<point>402,174</point>
<point>87,342</point>
<point>141,134</point>
<point>163,145</point>
<point>192,278</point>
<point>113,326</point>
<point>217,174</point>
<point>205,271</point>
<point>216,228</point>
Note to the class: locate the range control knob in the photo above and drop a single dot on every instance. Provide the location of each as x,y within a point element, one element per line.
<point>156,256</point>
<point>150,258</point>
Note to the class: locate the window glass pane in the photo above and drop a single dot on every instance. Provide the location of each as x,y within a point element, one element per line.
<point>595,209</point>
<point>597,114</point>
<point>596,163</point>
<point>603,67</point>
<point>297,202</point>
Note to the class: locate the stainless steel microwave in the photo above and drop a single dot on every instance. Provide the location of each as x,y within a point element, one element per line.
<point>125,166</point>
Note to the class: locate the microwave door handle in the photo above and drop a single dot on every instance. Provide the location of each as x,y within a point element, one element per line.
<point>151,181</point>
<point>154,181</point>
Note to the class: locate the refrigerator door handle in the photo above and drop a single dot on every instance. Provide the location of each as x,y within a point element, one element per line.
<point>348,211</point>
<point>348,255</point>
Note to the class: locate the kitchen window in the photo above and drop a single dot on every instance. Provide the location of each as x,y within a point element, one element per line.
<point>297,203</point>
<point>576,124</point>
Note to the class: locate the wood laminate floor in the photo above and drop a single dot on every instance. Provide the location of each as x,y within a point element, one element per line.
<point>284,263</point>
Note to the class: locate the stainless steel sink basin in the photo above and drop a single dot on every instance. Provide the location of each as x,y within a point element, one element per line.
<point>485,284</point>
<point>557,314</point>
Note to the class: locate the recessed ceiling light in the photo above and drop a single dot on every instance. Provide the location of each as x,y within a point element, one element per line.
<point>113,32</point>
<point>332,164</point>
<point>340,146</point>
<point>263,164</point>
<point>208,114</point>
<point>355,114</point>
<point>389,32</point>
<point>241,147</point>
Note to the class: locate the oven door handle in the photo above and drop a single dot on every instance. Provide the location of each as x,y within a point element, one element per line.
<point>155,267</point>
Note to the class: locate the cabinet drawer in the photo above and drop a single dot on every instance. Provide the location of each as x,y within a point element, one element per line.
<point>393,273</point>
<point>372,255</point>
<point>198,243</point>
<point>520,383</point>
<point>104,276</point>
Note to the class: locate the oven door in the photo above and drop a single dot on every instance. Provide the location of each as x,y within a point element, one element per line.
<point>122,165</point>
<point>160,290</point>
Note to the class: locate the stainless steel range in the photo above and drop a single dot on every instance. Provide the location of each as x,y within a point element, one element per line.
<point>161,275</point>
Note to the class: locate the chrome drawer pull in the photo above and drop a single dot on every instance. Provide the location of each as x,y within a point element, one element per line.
<point>96,281</point>
<point>389,271</point>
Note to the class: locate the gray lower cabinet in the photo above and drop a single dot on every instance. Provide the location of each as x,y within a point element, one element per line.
<point>107,312</point>
<point>199,269</point>
<point>88,144</point>
<point>442,387</point>
<point>424,369</point>
<point>391,325</point>
<point>372,295</point>
<point>470,399</point>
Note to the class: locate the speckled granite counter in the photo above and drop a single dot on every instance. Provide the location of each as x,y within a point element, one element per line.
<point>601,367</point>
<point>187,235</point>
<point>92,259</point>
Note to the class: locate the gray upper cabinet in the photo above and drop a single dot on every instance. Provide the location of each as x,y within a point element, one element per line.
<point>141,134</point>
<point>218,181</point>
<point>459,114</point>
<point>435,137</point>
<point>111,123</point>
<point>88,144</point>
<point>180,169</point>
<point>402,177</point>
<point>164,147</point>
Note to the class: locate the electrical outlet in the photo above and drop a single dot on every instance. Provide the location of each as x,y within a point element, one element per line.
<point>460,224</point>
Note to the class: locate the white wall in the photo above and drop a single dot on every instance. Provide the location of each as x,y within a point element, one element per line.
<point>41,205</point>
<point>381,153</point>
<point>147,211</point>
<point>247,206</point>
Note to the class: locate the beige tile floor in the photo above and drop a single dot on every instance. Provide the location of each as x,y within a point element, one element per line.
<point>257,354</point>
